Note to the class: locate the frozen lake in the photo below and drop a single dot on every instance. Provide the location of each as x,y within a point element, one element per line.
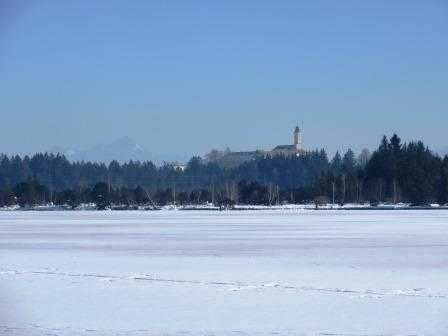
<point>224,273</point>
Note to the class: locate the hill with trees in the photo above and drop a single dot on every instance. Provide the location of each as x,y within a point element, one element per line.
<point>394,172</point>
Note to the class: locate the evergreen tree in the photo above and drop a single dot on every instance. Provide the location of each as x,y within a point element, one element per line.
<point>336,163</point>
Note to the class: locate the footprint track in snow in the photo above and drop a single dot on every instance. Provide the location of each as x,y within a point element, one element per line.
<point>240,286</point>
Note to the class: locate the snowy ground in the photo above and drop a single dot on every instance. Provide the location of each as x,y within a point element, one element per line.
<point>224,273</point>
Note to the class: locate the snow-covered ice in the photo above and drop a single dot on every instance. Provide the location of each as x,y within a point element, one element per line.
<point>291,272</point>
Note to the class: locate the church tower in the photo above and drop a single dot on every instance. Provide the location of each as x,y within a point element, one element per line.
<point>298,145</point>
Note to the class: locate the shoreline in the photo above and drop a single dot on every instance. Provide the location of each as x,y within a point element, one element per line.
<point>238,208</point>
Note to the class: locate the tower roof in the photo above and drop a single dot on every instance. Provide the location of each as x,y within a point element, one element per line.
<point>297,129</point>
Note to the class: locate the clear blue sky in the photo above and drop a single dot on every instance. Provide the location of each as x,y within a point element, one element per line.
<point>182,77</point>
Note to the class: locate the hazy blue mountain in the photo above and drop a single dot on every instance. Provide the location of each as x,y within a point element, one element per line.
<point>122,150</point>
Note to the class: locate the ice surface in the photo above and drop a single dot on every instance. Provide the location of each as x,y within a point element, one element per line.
<point>291,272</point>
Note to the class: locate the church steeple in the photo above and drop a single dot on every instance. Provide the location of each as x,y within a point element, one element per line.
<point>298,139</point>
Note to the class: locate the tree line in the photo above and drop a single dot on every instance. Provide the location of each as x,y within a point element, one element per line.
<point>394,172</point>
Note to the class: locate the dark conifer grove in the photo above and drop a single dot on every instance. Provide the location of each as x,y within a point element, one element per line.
<point>395,172</point>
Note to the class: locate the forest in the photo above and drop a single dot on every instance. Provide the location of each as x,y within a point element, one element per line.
<point>395,172</point>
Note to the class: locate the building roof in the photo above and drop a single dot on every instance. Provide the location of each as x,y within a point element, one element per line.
<point>234,159</point>
<point>284,147</point>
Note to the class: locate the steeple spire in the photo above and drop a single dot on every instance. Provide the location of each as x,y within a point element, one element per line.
<point>298,139</point>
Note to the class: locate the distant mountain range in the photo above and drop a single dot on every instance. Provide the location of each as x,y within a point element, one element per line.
<point>121,150</point>
<point>125,149</point>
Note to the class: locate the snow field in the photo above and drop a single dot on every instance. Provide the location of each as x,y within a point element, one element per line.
<point>294,272</point>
